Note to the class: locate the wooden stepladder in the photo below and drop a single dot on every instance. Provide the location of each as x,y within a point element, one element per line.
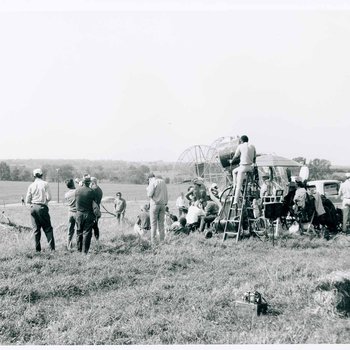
<point>234,214</point>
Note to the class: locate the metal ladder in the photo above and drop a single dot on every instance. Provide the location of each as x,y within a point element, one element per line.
<point>235,214</point>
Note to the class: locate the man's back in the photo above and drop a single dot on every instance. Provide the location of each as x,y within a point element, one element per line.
<point>247,153</point>
<point>84,198</point>
<point>38,192</point>
<point>157,191</point>
<point>69,196</point>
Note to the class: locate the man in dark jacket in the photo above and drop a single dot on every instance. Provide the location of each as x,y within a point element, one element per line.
<point>85,215</point>
<point>99,195</point>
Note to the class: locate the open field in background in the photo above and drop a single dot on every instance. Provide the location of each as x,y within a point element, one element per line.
<point>125,292</point>
<point>11,191</point>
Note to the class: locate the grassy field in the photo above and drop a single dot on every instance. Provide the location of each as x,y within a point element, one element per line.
<point>183,292</point>
<point>11,191</point>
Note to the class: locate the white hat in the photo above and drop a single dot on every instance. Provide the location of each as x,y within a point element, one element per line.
<point>37,172</point>
<point>214,185</point>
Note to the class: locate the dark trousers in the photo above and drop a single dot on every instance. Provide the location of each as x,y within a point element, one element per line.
<point>41,220</point>
<point>71,227</point>
<point>206,221</point>
<point>96,229</point>
<point>85,221</point>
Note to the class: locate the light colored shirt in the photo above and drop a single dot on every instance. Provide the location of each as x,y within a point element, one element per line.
<point>344,189</point>
<point>194,213</point>
<point>318,204</point>
<point>246,152</point>
<point>300,196</point>
<point>157,191</point>
<point>120,205</point>
<point>38,192</point>
<point>180,202</point>
<point>71,200</point>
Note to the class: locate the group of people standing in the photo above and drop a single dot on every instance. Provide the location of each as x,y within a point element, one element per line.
<point>84,199</point>
<point>81,218</point>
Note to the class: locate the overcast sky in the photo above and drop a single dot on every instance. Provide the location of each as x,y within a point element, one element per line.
<point>145,80</point>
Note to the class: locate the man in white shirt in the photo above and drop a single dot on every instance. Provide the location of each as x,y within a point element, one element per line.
<point>158,194</point>
<point>247,154</point>
<point>38,196</point>
<point>181,203</point>
<point>194,215</point>
<point>344,192</point>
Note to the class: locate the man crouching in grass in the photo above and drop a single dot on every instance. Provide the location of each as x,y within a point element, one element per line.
<point>85,215</point>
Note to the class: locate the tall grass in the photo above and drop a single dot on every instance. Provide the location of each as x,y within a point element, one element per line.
<point>182,292</point>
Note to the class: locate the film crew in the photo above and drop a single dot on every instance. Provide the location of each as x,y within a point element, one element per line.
<point>38,197</point>
<point>119,208</point>
<point>247,155</point>
<point>344,193</point>
<point>70,199</point>
<point>98,194</point>
<point>157,192</point>
<point>85,196</point>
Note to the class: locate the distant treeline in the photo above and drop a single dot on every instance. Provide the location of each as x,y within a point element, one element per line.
<point>128,172</point>
<point>113,171</point>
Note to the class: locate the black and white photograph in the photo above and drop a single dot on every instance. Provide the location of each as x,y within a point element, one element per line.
<point>175,173</point>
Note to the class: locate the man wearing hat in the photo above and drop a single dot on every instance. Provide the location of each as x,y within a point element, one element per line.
<point>85,215</point>
<point>157,192</point>
<point>344,192</point>
<point>38,197</point>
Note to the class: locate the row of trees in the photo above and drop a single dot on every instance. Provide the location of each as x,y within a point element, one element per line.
<point>125,173</point>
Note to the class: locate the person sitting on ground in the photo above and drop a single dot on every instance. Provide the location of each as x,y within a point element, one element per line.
<point>174,223</point>
<point>184,213</point>
<point>304,207</point>
<point>182,227</point>
<point>211,212</point>
<point>167,221</point>
<point>143,222</point>
<point>193,217</point>
<point>197,192</point>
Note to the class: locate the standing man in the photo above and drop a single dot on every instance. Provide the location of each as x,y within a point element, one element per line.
<point>247,154</point>
<point>119,207</point>
<point>85,215</point>
<point>99,195</point>
<point>344,192</point>
<point>72,212</point>
<point>157,192</point>
<point>38,197</point>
